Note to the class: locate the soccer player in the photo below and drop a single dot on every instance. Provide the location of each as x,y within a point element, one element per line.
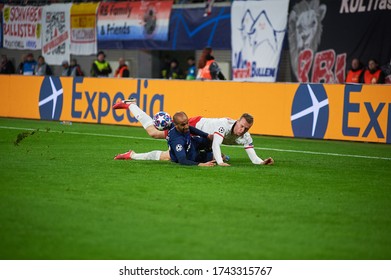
<point>225,131</point>
<point>183,147</point>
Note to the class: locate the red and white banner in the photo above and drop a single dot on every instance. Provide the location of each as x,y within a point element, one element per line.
<point>83,29</point>
<point>22,27</point>
<point>138,20</point>
<point>258,30</point>
<point>56,33</point>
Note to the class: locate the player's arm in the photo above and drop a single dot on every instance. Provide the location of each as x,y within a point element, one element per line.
<point>252,154</point>
<point>178,147</point>
<point>181,155</point>
<point>184,161</point>
<point>196,131</point>
<point>254,158</point>
<point>217,141</point>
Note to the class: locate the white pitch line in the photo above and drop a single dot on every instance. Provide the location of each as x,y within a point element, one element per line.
<point>149,138</point>
<point>81,133</point>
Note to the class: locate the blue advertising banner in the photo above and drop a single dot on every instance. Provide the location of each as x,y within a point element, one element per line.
<point>325,36</point>
<point>188,30</point>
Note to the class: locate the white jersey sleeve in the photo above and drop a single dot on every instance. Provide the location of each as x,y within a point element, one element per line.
<point>253,156</point>
<point>247,141</point>
<point>222,134</point>
<point>217,141</point>
<point>221,129</point>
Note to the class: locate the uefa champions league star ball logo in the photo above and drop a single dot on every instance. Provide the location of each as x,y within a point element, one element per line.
<point>310,111</point>
<point>179,148</point>
<point>50,98</point>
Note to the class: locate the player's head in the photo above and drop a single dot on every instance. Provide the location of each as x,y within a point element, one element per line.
<point>181,122</point>
<point>242,125</point>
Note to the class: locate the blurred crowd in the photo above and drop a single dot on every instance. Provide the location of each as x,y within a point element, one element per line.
<point>206,69</point>
<point>45,2</point>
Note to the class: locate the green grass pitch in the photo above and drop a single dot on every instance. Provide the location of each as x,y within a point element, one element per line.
<point>62,196</point>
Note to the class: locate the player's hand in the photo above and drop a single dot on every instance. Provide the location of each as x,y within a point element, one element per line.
<point>268,161</point>
<point>210,137</point>
<point>224,164</point>
<point>209,163</point>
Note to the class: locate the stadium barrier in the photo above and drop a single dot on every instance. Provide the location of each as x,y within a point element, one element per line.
<point>324,111</point>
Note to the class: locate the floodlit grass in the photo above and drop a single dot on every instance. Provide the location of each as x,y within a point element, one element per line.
<point>64,197</point>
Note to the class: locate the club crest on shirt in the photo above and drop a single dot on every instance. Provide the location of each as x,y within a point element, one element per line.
<point>179,148</point>
<point>221,130</point>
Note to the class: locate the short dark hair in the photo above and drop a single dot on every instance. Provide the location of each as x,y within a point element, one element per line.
<point>249,118</point>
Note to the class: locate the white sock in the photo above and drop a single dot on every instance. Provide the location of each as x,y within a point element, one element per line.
<point>154,155</point>
<point>140,115</point>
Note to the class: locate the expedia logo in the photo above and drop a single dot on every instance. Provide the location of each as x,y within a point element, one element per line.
<point>310,111</point>
<point>50,98</point>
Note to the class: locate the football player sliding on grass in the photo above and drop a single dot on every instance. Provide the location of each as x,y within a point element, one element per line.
<point>188,149</point>
<point>224,130</point>
<point>184,148</point>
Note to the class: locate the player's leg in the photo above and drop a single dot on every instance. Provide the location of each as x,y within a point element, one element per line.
<point>145,120</point>
<point>164,156</point>
<point>153,155</point>
<point>155,133</point>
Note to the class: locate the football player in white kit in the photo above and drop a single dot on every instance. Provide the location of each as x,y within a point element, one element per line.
<point>224,130</point>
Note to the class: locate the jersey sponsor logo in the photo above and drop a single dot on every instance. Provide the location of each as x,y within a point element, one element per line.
<point>178,147</point>
<point>221,130</point>
<point>50,98</point>
<point>310,111</point>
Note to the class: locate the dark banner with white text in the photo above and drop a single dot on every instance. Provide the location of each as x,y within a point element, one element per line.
<point>324,37</point>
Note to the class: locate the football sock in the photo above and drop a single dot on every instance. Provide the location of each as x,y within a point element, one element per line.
<point>140,115</point>
<point>154,155</point>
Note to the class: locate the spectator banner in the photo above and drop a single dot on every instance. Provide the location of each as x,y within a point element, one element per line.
<point>323,111</point>
<point>188,30</point>
<point>56,38</point>
<point>258,30</point>
<point>324,37</point>
<point>386,68</point>
<point>139,20</point>
<point>22,27</point>
<point>83,29</point>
